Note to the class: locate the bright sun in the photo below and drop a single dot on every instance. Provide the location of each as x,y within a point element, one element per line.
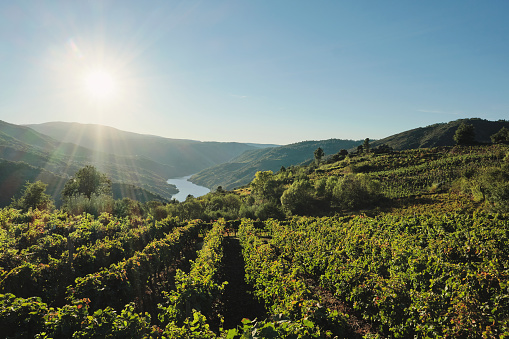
<point>100,84</point>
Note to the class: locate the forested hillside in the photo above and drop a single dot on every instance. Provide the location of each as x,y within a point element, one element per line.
<point>441,134</point>
<point>184,157</point>
<point>241,170</point>
<point>55,160</point>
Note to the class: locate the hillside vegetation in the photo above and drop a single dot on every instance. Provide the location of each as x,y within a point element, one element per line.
<point>182,157</point>
<point>129,159</point>
<point>241,170</point>
<point>441,134</point>
<point>376,243</point>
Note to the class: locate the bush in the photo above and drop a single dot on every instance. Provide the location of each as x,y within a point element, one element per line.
<point>97,204</point>
<point>355,191</point>
<point>298,198</point>
<point>33,197</point>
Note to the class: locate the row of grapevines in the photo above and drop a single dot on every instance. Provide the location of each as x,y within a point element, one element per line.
<point>31,318</point>
<point>29,279</point>
<point>425,276</point>
<point>280,285</point>
<point>47,235</point>
<point>196,294</point>
<point>181,317</point>
<point>124,281</point>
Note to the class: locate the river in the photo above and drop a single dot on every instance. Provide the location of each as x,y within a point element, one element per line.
<point>186,187</point>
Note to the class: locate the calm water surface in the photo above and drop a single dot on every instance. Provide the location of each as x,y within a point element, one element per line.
<point>186,187</point>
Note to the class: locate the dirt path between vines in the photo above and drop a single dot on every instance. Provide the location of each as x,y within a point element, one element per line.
<point>238,302</point>
<point>357,326</point>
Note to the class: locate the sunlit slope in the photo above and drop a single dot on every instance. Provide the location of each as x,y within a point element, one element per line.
<point>441,134</point>
<point>14,175</point>
<point>21,144</point>
<point>241,170</point>
<point>184,156</point>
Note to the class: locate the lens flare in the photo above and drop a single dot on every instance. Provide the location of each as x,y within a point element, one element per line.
<point>100,84</point>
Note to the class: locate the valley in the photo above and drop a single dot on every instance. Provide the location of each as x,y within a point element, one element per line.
<point>366,242</point>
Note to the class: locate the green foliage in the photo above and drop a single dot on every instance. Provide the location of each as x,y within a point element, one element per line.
<point>266,187</point>
<point>298,198</point>
<point>489,184</point>
<point>319,154</point>
<point>366,146</point>
<point>21,318</point>
<point>465,134</point>
<point>354,191</point>
<point>280,285</point>
<point>428,275</point>
<point>95,205</point>
<point>33,197</point>
<point>128,208</point>
<point>501,136</point>
<point>200,289</point>
<point>87,181</point>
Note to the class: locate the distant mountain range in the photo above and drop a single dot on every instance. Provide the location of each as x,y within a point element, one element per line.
<point>182,157</point>
<point>139,165</point>
<point>241,170</point>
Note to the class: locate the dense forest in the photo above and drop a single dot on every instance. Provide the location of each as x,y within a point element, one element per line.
<point>369,242</point>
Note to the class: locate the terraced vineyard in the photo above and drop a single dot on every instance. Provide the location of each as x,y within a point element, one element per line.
<point>391,276</point>
<point>424,263</point>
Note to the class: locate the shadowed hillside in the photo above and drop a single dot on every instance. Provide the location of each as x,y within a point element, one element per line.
<point>441,134</point>
<point>58,159</point>
<point>184,156</point>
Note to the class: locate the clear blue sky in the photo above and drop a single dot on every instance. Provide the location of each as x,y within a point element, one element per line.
<point>255,71</point>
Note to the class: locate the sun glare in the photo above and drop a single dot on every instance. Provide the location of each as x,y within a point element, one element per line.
<point>100,84</point>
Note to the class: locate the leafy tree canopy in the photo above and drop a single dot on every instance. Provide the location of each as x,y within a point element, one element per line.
<point>319,153</point>
<point>501,136</point>
<point>33,197</point>
<point>87,181</point>
<point>465,134</point>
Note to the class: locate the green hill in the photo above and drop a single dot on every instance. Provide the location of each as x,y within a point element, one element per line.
<point>441,134</point>
<point>241,170</point>
<point>60,159</point>
<point>14,175</point>
<point>182,157</point>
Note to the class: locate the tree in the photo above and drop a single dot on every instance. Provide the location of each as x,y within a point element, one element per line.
<point>265,187</point>
<point>465,134</point>
<point>501,136</point>
<point>298,197</point>
<point>87,181</point>
<point>319,153</point>
<point>340,155</point>
<point>366,146</point>
<point>33,197</point>
<point>355,190</point>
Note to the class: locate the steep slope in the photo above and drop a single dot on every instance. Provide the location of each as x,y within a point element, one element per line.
<point>184,156</point>
<point>22,144</point>
<point>241,170</point>
<point>441,134</point>
<point>14,175</point>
